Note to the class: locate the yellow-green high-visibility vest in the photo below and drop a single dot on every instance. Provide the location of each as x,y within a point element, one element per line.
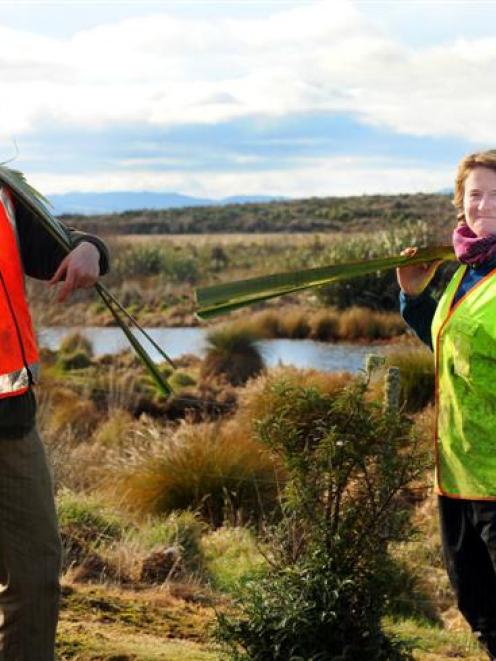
<point>464,341</point>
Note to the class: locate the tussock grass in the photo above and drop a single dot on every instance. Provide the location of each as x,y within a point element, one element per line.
<point>180,380</point>
<point>362,323</point>
<point>295,324</point>
<point>232,352</point>
<point>115,429</point>
<point>76,342</point>
<point>75,352</point>
<point>70,411</point>
<point>210,467</point>
<point>181,530</point>
<point>266,324</point>
<point>328,324</point>
<point>325,326</point>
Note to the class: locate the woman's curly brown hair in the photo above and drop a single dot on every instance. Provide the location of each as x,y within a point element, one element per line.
<point>486,159</point>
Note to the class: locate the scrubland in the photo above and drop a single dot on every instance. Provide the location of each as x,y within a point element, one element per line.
<point>167,507</point>
<point>194,527</point>
<point>155,276</point>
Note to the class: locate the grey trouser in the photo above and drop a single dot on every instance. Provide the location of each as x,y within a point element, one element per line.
<point>30,552</point>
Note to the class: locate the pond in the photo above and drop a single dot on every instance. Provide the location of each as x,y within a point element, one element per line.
<point>323,356</point>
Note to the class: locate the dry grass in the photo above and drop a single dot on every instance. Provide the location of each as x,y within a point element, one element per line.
<point>297,239</point>
<point>328,325</point>
<point>416,364</point>
<point>294,324</point>
<point>69,411</point>
<point>362,323</point>
<point>325,325</point>
<point>212,467</point>
<point>115,429</point>
<point>258,399</point>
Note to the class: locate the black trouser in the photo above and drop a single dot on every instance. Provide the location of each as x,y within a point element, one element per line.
<point>468,535</point>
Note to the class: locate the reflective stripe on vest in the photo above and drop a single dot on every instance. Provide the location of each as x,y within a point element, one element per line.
<point>18,350</point>
<point>464,341</point>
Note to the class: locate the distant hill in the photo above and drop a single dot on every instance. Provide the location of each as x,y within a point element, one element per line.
<point>363,213</point>
<point>90,204</point>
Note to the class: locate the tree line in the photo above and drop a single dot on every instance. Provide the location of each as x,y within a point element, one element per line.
<point>365,213</point>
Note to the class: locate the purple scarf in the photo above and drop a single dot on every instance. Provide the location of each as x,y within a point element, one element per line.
<point>472,249</point>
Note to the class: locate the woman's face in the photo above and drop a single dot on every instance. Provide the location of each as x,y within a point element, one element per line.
<point>479,201</point>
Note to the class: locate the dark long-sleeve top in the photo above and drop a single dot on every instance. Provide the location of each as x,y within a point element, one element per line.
<point>418,311</point>
<point>41,256</point>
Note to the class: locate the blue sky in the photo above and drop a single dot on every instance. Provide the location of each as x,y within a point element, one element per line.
<point>324,97</point>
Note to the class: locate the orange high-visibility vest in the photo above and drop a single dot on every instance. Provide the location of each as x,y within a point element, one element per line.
<point>18,350</point>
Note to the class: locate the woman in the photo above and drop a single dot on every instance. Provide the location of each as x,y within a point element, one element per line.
<point>461,329</point>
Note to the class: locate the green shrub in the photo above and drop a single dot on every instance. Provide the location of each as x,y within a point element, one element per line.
<point>377,291</point>
<point>150,259</point>
<point>328,585</point>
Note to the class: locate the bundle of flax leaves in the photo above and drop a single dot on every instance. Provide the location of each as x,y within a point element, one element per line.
<point>219,299</point>
<point>36,203</point>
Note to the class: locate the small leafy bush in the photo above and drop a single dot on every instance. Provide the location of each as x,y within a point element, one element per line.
<point>328,586</point>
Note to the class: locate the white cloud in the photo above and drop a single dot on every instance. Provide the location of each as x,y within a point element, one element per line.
<point>322,56</point>
<point>313,177</point>
<point>162,70</point>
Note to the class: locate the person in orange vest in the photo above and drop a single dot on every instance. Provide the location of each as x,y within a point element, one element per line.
<point>461,329</point>
<point>30,548</point>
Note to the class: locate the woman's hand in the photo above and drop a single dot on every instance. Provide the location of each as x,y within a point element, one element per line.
<point>414,278</point>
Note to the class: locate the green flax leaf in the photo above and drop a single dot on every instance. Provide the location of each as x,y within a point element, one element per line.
<point>219,299</point>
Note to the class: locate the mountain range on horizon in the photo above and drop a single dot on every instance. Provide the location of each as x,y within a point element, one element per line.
<point>118,201</point>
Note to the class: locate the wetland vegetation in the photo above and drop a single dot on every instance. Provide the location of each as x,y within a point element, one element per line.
<point>202,526</point>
